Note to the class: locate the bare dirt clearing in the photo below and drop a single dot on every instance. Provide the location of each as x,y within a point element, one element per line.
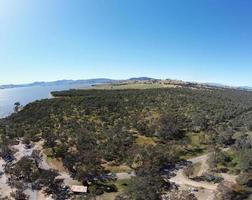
<point>5,189</point>
<point>205,190</point>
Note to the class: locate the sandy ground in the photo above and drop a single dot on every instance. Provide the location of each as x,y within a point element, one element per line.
<point>5,189</point>
<point>22,151</point>
<point>181,179</point>
<point>206,190</point>
<point>68,180</point>
<point>125,175</point>
<point>42,196</point>
<point>229,177</point>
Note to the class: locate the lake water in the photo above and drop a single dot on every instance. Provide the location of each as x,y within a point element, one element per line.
<point>26,95</point>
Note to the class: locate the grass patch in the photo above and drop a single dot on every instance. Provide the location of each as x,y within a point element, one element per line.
<point>48,152</point>
<point>197,145</point>
<point>53,162</point>
<point>195,140</point>
<point>192,152</point>
<point>56,164</point>
<point>133,86</point>
<point>198,139</point>
<point>121,186</point>
<point>229,164</point>
<point>143,140</point>
<point>117,168</point>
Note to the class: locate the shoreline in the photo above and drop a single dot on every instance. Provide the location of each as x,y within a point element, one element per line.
<point>29,94</point>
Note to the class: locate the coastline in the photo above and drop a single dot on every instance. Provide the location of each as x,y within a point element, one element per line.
<point>26,95</point>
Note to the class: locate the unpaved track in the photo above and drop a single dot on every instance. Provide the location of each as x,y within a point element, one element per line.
<point>206,190</point>
<point>181,179</point>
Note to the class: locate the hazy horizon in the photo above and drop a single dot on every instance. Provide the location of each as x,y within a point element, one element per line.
<point>200,82</point>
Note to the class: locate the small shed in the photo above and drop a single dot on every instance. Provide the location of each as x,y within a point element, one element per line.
<point>79,189</point>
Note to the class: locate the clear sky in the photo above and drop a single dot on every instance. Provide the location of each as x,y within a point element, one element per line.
<point>194,40</point>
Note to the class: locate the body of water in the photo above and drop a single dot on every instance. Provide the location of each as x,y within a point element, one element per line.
<point>26,95</point>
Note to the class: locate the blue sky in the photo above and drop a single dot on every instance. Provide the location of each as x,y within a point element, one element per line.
<point>194,40</point>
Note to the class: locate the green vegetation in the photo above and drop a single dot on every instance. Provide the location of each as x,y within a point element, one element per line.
<point>123,86</point>
<point>148,130</point>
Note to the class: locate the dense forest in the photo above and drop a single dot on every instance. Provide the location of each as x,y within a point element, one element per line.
<point>149,130</point>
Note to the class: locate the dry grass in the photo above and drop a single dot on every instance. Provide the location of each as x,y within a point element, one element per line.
<point>117,168</point>
<point>143,140</point>
<point>133,86</point>
<point>56,164</point>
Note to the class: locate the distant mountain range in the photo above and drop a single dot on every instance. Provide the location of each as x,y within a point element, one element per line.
<point>107,81</point>
<point>141,79</point>
<point>72,82</point>
<point>245,88</point>
<point>218,85</point>
<point>59,82</point>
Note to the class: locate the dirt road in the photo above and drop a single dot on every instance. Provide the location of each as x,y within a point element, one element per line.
<point>206,190</point>
<point>181,179</point>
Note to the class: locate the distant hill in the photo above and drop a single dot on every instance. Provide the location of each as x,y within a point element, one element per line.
<point>60,82</point>
<point>99,81</point>
<point>246,88</point>
<point>74,82</point>
<point>218,85</point>
<point>141,79</point>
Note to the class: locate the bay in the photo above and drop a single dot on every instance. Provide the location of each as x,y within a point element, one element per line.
<point>25,95</point>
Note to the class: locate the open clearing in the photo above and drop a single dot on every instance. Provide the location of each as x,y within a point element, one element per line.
<point>206,190</point>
